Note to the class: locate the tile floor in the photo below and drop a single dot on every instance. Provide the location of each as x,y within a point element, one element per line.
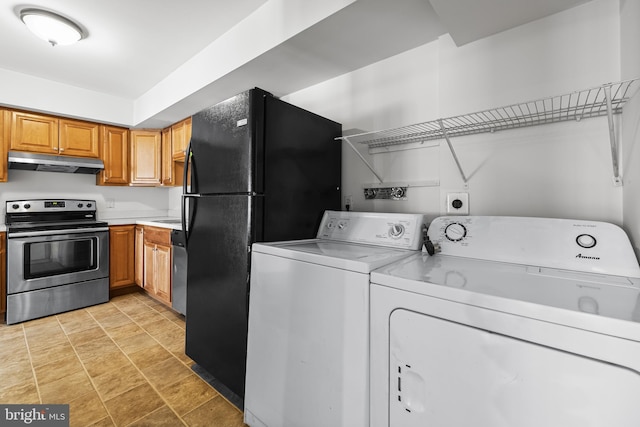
<point>121,363</point>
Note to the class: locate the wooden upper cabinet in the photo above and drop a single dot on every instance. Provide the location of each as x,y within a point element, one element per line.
<point>168,169</point>
<point>180,137</point>
<point>5,121</point>
<point>114,152</point>
<point>145,157</point>
<point>34,132</point>
<point>79,138</point>
<point>50,135</point>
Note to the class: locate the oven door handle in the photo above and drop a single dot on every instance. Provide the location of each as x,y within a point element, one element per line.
<point>56,232</point>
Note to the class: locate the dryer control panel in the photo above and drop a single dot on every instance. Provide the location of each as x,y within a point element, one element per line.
<point>590,246</point>
<point>396,230</point>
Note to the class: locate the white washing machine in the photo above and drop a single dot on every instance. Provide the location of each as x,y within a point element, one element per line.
<point>308,344</point>
<point>517,322</point>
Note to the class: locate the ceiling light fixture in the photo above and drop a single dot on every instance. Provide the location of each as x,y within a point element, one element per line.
<point>51,27</point>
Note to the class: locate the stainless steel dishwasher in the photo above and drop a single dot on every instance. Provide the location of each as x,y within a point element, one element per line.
<point>179,272</point>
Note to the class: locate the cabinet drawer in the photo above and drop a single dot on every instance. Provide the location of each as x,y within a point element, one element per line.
<point>159,236</point>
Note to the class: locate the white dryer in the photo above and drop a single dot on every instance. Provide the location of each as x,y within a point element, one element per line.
<point>517,322</point>
<point>308,344</point>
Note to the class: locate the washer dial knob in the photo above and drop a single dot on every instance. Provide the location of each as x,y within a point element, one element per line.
<point>396,231</point>
<point>586,241</point>
<point>455,232</point>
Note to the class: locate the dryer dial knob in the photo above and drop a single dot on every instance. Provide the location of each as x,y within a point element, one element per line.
<point>455,232</point>
<point>586,241</point>
<point>396,231</point>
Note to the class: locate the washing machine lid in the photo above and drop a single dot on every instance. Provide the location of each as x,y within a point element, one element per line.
<point>347,256</point>
<point>596,302</point>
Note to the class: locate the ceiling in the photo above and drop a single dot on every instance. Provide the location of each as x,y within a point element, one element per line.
<point>151,53</point>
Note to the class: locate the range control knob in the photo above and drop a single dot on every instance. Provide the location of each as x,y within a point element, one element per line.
<point>88,205</point>
<point>455,232</point>
<point>15,206</point>
<point>396,231</point>
<point>80,205</point>
<point>586,241</point>
<point>27,205</point>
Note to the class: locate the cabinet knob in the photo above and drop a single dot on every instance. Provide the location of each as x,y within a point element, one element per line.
<point>61,149</point>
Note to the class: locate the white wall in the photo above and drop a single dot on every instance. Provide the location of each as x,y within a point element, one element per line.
<point>559,170</point>
<point>630,48</point>
<point>129,202</point>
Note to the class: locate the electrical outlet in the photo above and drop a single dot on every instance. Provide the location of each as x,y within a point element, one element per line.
<point>458,203</point>
<point>348,201</point>
<point>111,203</point>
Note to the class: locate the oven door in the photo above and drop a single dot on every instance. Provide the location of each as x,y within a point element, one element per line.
<point>42,259</point>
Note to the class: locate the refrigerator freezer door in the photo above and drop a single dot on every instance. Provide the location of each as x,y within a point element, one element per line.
<point>218,279</point>
<point>226,145</point>
<point>301,172</point>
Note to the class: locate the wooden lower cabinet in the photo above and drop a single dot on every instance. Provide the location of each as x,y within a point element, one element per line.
<point>139,256</point>
<point>3,273</point>
<point>157,263</point>
<point>121,256</point>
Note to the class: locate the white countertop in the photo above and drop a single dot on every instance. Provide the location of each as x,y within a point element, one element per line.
<point>163,222</point>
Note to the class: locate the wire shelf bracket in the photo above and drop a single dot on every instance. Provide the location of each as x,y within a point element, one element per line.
<point>607,99</point>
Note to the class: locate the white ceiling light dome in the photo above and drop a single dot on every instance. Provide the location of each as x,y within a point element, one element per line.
<point>51,27</point>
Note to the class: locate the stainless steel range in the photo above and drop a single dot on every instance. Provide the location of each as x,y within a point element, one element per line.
<point>57,257</point>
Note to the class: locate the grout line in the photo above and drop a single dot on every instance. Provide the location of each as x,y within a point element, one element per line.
<point>33,369</point>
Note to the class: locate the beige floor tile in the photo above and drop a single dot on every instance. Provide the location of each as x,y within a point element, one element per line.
<point>114,320</point>
<point>171,336</point>
<point>105,422</point>
<point>149,356</point>
<point>107,362</point>
<point>136,342</point>
<point>23,393</point>
<point>15,373</point>
<point>77,323</point>
<point>13,349</point>
<point>66,389</point>
<point>147,317</point>
<point>114,383</point>
<point>119,332</point>
<point>133,404</point>
<point>86,410</point>
<point>78,338</point>
<point>162,417</point>
<point>216,412</point>
<point>156,328</point>
<point>42,356</point>
<point>58,369</point>
<point>187,394</point>
<point>8,332</point>
<point>43,321</point>
<point>99,312</point>
<point>95,348</point>
<point>165,373</point>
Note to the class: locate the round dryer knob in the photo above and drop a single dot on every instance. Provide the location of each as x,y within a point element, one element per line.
<point>586,241</point>
<point>455,232</point>
<point>396,231</point>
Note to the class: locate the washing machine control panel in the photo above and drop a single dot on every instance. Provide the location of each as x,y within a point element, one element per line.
<point>373,228</point>
<point>590,246</point>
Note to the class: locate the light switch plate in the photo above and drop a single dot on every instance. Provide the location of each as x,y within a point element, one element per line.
<point>458,203</point>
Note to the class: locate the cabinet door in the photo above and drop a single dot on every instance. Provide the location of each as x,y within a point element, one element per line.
<point>78,138</point>
<point>167,160</point>
<point>180,136</point>
<point>145,157</point>
<point>114,151</point>
<point>121,255</point>
<point>34,132</point>
<point>149,268</point>
<point>163,272</point>
<point>139,255</point>
<point>3,274</point>
<point>5,133</point>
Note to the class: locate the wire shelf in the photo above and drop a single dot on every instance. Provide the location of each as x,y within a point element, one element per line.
<point>572,106</point>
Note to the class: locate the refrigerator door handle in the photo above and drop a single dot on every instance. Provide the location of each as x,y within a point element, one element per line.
<point>185,193</point>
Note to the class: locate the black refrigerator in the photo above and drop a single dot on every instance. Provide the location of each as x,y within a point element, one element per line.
<point>260,170</point>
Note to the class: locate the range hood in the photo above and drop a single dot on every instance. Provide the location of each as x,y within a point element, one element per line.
<point>50,163</point>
